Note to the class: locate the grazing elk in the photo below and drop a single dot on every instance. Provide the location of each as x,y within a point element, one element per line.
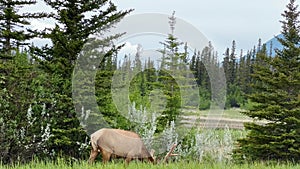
<point>121,143</point>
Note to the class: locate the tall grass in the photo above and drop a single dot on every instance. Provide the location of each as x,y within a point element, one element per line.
<point>61,164</point>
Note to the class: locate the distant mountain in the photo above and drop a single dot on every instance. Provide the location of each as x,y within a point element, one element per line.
<point>275,44</point>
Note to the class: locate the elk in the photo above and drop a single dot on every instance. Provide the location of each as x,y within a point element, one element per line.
<point>121,143</point>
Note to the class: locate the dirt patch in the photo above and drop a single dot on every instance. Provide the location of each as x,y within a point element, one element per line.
<point>215,122</point>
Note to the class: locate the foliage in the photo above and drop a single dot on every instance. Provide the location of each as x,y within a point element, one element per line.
<point>235,97</point>
<point>24,120</point>
<point>276,99</point>
<point>76,21</point>
<point>193,144</point>
<point>205,98</point>
<point>11,20</point>
<point>170,71</point>
<point>103,85</point>
<point>37,112</point>
<point>205,145</point>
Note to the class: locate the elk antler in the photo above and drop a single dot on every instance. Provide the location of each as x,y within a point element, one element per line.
<point>170,153</point>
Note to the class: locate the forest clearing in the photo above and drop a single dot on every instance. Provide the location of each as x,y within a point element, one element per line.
<point>81,84</point>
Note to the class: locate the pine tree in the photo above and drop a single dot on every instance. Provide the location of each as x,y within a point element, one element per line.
<point>10,104</point>
<point>249,69</point>
<point>103,86</point>
<point>204,63</point>
<point>174,77</point>
<point>13,30</point>
<point>138,84</point>
<point>232,64</point>
<point>276,99</point>
<point>226,66</point>
<point>165,81</point>
<point>75,30</point>
<point>76,21</point>
<point>241,71</point>
<point>23,121</point>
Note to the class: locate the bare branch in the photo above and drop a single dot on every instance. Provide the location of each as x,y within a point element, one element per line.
<point>170,153</point>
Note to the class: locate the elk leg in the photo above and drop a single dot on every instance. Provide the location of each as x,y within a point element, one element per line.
<point>93,156</point>
<point>105,156</point>
<point>127,160</point>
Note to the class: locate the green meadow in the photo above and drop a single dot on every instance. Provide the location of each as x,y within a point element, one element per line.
<point>134,165</point>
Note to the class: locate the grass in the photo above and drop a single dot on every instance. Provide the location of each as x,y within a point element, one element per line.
<point>233,113</point>
<point>134,165</point>
<point>217,140</point>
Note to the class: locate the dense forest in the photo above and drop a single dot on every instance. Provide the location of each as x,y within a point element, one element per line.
<point>39,110</point>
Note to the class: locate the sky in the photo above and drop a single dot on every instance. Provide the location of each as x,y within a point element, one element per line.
<point>220,21</point>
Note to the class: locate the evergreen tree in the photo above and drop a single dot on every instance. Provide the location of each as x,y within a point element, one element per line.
<point>76,21</point>
<point>205,62</point>
<point>276,99</point>
<point>138,84</point>
<point>13,30</point>
<point>249,70</point>
<point>73,29</point>
<point>150,82</point>
<point>165,78</point>
<point>241,71</point>
<point>174,78</point>
<point>24,123</point>
<point>226,65</point>
<point>11,109</point>
<point>103,86</point>
<point>232,65</point>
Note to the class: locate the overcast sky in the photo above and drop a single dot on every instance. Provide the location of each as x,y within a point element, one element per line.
<point>221,21</point>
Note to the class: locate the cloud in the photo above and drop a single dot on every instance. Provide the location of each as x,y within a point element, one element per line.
<point>220,21</point>
<point>128,49</point>
<point>41,25</point>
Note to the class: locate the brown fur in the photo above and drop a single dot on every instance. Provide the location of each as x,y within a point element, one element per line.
<point>118,143</point>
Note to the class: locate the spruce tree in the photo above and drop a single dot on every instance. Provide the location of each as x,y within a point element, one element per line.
<point>14,30</point>
<point>138,84</point>
<point>226,66</point>
<point>76,21</point>
<point>23,121</point>
<point>174,78</point>
<point>203,63</point>
<point>276,99</point>
<point>103,87</point>
<point>232,65</point>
